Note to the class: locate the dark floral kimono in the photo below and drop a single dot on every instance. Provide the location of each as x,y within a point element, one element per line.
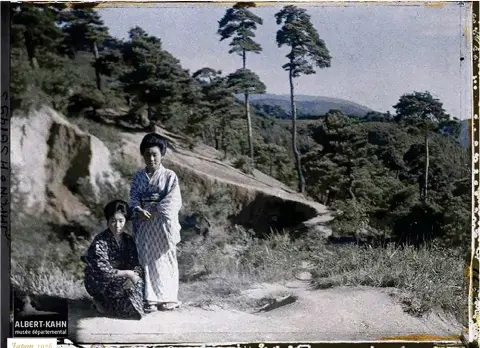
<point>103,258</point>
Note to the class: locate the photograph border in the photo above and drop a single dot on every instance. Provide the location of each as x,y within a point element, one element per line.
<point>473,279</point>
<point>471,336</point>
<point>5,247</point>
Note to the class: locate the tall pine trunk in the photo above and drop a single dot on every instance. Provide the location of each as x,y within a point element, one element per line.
<point>247,114</point>
<point>30,46</point>
<point>301,179</point>
<point>97,68</point>
<point>249,124</point>
<point>149,115</point>
<point>427,163</point>
<point>217,138</point>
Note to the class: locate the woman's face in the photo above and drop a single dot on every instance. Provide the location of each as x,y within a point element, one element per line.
<point>152,157</point>
<point>117,223</point>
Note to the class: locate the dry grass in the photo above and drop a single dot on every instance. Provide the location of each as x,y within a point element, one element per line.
<point>47,279</point>
<point>426,279</point>
<point>234,253</point>
<point>429,278</point>
<point>216,270</point>
<point>42,263</point>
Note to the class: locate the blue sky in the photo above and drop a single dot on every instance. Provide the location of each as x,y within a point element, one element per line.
<point>379,52</point>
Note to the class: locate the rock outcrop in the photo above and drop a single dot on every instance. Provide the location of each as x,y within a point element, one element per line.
<point>51,157</point>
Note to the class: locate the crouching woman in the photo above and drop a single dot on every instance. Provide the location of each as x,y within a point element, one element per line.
<point>113,275</point>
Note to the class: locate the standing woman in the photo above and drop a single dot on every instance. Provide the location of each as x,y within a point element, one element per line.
<point>156,200</point>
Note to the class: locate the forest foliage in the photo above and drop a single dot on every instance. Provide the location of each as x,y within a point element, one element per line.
<point>390,177</point>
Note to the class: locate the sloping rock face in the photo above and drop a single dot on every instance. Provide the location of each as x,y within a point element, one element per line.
<point>50,157</point>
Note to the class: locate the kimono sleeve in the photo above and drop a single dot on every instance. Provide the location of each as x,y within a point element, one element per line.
<point>135,191</point>
<point>172,202</point>
<point>98,259</point>
<point>169,208</point>
<point>133,261</point>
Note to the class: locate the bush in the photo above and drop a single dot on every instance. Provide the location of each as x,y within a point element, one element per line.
<point>44,262</point>
<point>244,164</point>
<point>125,166</point>
<point>47,279</point>
<point>215,205</point>
<point>234,253</point>
<point>87,98</point>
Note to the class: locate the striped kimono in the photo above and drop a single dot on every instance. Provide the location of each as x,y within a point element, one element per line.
<point>156,239</point>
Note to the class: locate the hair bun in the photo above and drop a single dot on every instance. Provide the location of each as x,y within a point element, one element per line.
<point>115,206</point>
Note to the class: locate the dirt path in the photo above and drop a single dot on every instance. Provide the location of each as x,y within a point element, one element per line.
<point>304,315</point>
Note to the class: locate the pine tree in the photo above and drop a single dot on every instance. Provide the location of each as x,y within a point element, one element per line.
<point>156,79</point>
<point>218,108</point>
<point>85,31</point>
<point>34,27</point>
<point>240,23</point>
<point>427,112</point>
<point>307,52</point>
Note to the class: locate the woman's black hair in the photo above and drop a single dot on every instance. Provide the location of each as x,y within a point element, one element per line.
<point>152,140</point>
<point>117,206</point>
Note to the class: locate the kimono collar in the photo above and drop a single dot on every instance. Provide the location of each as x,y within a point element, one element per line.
<point>112,237</point>
<point>160,169</point>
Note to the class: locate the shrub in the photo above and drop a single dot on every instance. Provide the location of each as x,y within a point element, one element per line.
<point>244,164</point>
<point>125,166</point>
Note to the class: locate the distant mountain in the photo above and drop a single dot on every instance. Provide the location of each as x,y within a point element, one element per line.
<point>309,105</point>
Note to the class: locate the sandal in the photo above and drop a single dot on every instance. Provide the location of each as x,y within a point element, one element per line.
<point>170,306</point>
<point>150,307</point>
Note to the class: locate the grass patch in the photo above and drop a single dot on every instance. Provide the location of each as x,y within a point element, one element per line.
<point>44,264</point>
<point>47,279</point>
<point>429,278</point>
<point>426,279</point>
<point>233,254</point>
<point>212,291</point>
<point>216,270</point>
<point>44,260</point>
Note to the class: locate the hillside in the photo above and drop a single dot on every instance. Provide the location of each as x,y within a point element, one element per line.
<point>310,105</point>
